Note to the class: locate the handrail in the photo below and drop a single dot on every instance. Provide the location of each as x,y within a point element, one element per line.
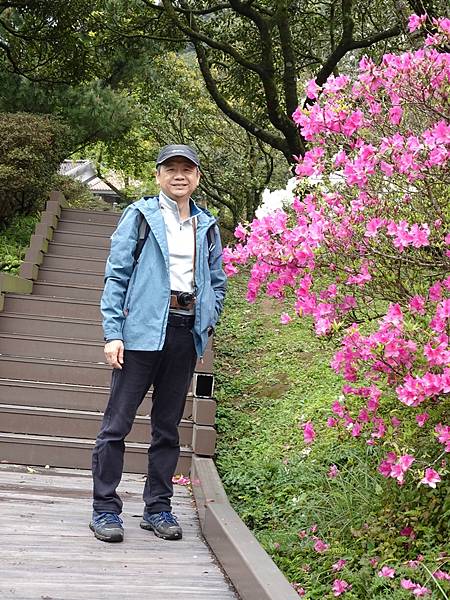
<point>253,573</point>
<point>43,233</point>
<point>15,284</point>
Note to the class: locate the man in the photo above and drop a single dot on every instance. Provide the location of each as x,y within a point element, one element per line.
<point>159,305</point>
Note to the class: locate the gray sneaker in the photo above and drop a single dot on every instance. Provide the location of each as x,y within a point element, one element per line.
<point>163,524</point>
<point>107,526</point>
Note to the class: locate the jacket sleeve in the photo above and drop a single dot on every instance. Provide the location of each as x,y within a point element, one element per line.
<point>119,268</point>
<point>218,277</point>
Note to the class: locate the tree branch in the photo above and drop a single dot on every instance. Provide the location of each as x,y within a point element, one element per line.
<point>194,34</point>
<point>204,11</point>
<point>275,141</point>
<point>279,118</point>
<point>289,60</point>
<point>377,37</point>
<point>345,45</point>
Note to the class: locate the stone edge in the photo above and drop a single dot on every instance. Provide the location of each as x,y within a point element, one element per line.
<point>43,233</point>
<point>251,570</point>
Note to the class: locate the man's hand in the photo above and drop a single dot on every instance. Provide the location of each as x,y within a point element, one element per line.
<point>114,353</point>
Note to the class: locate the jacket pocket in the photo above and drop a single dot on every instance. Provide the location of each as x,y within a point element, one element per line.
<point>129,294</point>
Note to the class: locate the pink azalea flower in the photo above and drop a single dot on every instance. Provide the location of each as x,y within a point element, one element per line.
<point>285,319</point>
<point>300,591</point>
<point>417,305</point>
<point>308,433</point>
<point>422,419</point>
<point>320,546</point>
<point>230,269</point>
<point>387,572</point>
<point>181,480</point>
<point>395,115</point>
<point>338,409</point>
<point>443,432</point>
<point>340,586</point>
<point>333,472</point>
<point>431,478</point>
<point>339,565</point>
<point>312,89</point>
<point>442,575</point>
<point>387,168</point>
<point>435,292</point>
<point>240,232</point>
<point>420,591</point>
<point>395,422</point>
<point>415,21</point>
<point>408,532</point>
<point>407,584</point>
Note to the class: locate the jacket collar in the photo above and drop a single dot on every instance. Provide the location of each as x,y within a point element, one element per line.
<point>148,205</point>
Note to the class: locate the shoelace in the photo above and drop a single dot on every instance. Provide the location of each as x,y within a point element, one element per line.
<point>108,519</point>
<point>166,517</point>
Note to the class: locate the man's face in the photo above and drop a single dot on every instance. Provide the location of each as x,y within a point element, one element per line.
<point>178,178</point>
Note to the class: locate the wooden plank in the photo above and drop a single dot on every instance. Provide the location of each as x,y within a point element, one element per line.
<point>48,552</point>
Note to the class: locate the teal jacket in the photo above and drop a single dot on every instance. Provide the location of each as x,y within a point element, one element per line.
<point>135,300</point>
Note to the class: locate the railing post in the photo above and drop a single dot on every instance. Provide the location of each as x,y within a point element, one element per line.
<point>204,434</point>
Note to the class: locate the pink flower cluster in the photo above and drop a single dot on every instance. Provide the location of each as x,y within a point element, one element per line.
<point>372,231</point>
<point>418,590</point>
<point>340,586</point>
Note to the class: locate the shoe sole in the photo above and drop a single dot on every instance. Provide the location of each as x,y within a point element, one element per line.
<point>104,538</point>
<point>149,527</point>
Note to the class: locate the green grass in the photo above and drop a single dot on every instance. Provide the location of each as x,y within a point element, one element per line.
<point>272,378</point>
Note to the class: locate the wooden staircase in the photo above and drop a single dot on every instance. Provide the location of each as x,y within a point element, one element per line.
<point>54,382</point>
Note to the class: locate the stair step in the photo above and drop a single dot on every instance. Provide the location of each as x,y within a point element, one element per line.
<point>75,264</point>
<point>23,419</point>
<point>86,227</point>
<point>68,350</point>
<point>67,396</point>
<point>47,326</point>
<point>12,344</point>
<point>78,251</point>
<point>54,307</point>
<point>65,290</point>
<point>71,277</point>
<point>91,216</point>
<point>81,239</point>
<point>55,371</point>
<point>75,453</point>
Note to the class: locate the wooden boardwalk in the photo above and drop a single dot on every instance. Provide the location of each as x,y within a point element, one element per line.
<point>47,551</point>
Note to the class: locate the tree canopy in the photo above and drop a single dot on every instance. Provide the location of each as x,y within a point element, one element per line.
<point>263,51</point>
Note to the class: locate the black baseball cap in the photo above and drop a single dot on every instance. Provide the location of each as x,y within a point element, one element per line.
<point>177,150</point>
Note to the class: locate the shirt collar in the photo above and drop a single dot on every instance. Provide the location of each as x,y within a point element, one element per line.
<point>167,203</point>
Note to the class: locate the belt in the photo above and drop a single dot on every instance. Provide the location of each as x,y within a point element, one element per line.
<point>175,304</point>
<point>177,320</point>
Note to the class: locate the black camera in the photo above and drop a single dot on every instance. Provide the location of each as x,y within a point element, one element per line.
<point>185,298</point>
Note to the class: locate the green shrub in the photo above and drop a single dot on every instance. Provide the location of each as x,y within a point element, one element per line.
<point>31,150</point>
<point>14,240</point>
<point>78,195</point>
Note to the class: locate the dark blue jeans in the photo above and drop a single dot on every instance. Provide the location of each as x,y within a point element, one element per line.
<point>169,371</point>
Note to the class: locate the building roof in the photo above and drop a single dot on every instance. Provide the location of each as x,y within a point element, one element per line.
<point>83,170</point>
